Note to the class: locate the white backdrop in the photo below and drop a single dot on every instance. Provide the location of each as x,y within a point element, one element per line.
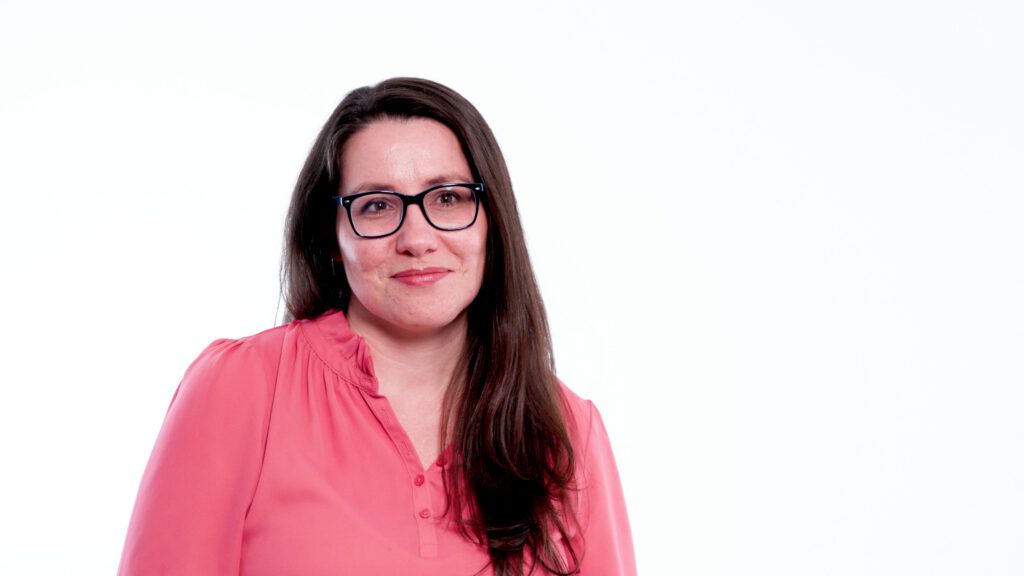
<point>780,244</point>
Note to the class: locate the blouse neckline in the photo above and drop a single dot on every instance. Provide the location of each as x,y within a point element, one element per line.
<point>345,352</point>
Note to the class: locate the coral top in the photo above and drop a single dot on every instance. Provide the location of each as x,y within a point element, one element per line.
<point>278,457</point>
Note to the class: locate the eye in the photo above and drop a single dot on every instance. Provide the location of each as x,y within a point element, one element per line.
<point>375,206</point>
<point>449,197</point>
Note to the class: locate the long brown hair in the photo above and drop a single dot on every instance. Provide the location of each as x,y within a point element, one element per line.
<point>511,472</point>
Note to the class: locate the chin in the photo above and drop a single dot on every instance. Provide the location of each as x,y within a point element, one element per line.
<point>427,323</point>
<point>413,320</point>
<point>411,316</point>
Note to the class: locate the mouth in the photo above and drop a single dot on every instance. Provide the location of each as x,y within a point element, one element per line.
<point>421,276</point>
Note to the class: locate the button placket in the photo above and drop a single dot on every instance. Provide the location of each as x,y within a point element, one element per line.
<point>424,514</point>
<point>422,509</point>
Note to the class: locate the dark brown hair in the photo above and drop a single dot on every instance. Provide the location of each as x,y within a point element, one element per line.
<point>512,465</point>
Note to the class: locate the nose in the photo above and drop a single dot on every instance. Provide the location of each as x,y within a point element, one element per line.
<point>416,237</point>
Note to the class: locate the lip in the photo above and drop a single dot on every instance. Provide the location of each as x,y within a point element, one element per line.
<point>421,276</point>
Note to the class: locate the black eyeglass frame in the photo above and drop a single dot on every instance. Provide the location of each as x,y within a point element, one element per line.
<point>476,187</point>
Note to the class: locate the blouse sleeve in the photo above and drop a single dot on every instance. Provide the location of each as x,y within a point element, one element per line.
<point>606,539</point>
<point>203,471</point>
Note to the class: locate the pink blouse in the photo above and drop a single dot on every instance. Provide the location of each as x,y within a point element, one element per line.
<point>278,456</point>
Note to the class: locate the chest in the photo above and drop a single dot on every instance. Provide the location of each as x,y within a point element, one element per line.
<point>343,489</point>
<point>420,419</point>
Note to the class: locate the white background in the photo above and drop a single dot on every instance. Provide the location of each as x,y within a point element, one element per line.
<point>780,244</point>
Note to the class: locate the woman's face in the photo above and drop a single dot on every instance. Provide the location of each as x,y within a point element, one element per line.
<point>419,279</point>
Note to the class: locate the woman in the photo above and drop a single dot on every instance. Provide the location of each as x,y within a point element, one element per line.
<point>408,419</point>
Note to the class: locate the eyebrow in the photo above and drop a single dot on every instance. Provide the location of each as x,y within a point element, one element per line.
<point>441,179</point>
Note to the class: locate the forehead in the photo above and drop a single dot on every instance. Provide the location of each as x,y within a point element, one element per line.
<point>401,152</point>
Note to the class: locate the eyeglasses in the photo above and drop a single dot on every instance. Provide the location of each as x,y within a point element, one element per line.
<point>380,213</point>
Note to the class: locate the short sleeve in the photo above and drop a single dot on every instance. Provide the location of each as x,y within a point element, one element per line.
<point>607,542</point>
<point>202,474</point>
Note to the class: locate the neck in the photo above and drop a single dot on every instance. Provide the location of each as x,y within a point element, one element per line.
<point>420,363</point>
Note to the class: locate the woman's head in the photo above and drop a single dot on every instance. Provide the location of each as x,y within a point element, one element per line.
<point>317,251</point>
<point>409,277</point>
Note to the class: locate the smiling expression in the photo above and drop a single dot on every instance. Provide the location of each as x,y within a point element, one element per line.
<point>420,279</point>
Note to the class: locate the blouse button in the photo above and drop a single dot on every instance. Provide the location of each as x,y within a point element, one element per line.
<point>424,513</point>
<point>419,480</point>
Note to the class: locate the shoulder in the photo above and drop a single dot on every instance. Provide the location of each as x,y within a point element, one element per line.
<point>572,401</point>
<point>579,413</point>
<point>228,364</point>
<point>261,348</point>
<point>586,427</point>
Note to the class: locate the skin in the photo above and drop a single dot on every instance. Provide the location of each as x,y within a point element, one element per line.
<point>415,333</point>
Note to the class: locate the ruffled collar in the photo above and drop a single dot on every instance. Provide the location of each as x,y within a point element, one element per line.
<point>344,351</point>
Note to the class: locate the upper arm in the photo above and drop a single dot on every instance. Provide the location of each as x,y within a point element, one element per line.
<point>204,468</point>
<point>607,542</point>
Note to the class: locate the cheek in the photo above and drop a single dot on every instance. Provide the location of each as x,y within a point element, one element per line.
<point>481,241</point>
<point>475,253</point>
<point>360,259</point>
<point>342,235</point>
<point>346,250</point>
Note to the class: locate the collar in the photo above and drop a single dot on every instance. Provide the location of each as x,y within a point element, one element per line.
<point>344,351</point>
